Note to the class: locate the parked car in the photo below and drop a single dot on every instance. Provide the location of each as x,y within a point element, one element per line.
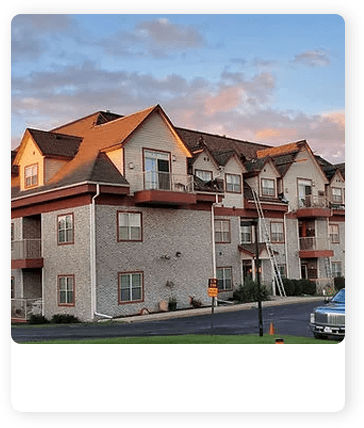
<point>329,320</point>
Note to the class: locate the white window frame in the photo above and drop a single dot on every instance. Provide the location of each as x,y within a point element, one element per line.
<point>334,235</point>
<point>271,190</point>
<point>277,236</point>
<point>67,230</point>
<point>131,287</point>
<point>132,224</point>
<point>233,183</point>
<point>337,198</point>
<point>31,175</point>
<point>225,281</point>
<point>204,175</point>
<point>222,229</point>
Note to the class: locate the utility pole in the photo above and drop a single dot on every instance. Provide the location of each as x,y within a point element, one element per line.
<point>257,268</point>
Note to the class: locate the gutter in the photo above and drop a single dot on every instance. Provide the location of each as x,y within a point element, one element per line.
<point>93,255</point>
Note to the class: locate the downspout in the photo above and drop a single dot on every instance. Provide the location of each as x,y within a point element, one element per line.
<point>213,243</point>
<point>93,256</point>
<point>285,243</point>
<point>213,237</point>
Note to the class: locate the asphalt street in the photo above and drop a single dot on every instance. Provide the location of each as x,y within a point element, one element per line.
<point>290,319</point>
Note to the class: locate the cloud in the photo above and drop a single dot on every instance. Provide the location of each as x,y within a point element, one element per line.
<point>234,105</point>
<point>313,58</point>
<point>163,33</point>
<point>31,35</point>
<point>156,38</point>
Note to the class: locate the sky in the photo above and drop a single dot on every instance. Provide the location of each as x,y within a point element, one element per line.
<point>271,79</point>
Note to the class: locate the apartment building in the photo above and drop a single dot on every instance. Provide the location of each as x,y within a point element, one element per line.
<point>114,215</point>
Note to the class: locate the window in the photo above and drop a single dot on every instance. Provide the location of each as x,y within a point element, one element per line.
<point>222,231</point>
<point>233,183</point>
<point>203,175</point>
<point>268,187</point>
<point>65,229</point>
<point>282,270</point>
<point>334,233</point>
<point>246,233</point>
<point>12,288</point>
<point>129,226</point>
<point>130,287</point>
<point>337,195</point>
<point>336,269</point>
<point>224,278</point>
<point>31,175</point>
<point>66,290</point>
<point>276,231</point>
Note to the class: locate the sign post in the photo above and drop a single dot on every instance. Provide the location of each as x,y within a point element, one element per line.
<point>212,292</point>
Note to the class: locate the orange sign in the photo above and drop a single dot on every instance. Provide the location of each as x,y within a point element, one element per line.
<point>213,291</point>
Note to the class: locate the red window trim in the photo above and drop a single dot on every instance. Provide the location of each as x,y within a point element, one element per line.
<point>58,290</point>
<point>123,302</point>
<point>73,229</point>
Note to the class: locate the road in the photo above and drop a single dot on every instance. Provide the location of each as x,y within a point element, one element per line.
<point>287,320</point>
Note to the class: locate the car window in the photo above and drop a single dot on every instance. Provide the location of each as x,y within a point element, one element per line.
<point>339,297</point>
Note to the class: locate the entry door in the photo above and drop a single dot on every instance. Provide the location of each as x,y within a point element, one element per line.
<point>157,174</point>
<point>304,271</point>
<point>247,270</point>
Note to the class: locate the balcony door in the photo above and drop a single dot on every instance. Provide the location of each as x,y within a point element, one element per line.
<point>157,170</point>
<point>304,192</point>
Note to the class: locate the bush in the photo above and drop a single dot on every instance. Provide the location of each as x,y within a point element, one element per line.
<point>289,286</point>
<point>64,319</point>
<point>37,319</point>
<point>196,303</point>
<point>339,283</point>
<point>298,287</point>
<point>308,287</point>
<point>249,293</point>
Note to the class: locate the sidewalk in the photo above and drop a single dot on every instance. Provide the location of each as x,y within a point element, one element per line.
<point>275,301</point>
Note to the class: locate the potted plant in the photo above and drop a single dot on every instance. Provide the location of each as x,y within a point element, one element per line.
<point>172,304</point>
<point>172,301</point>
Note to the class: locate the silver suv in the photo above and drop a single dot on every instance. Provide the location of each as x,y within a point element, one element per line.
<point>329,320</point>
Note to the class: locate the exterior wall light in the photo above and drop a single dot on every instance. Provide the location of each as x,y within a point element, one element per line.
<point>131,165</point>
<point>178,254</point>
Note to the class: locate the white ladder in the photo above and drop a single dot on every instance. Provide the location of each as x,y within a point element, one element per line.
<point>266,236</point>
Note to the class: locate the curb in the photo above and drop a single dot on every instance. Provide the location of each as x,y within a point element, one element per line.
<point>162,316</point>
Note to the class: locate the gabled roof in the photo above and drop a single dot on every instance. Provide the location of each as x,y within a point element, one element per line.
<point>218,143</point>
<point>95,139</point>
<point>280,150</point>
<point>255,166</point>
<point>52,144</point>
<point>84,142</point>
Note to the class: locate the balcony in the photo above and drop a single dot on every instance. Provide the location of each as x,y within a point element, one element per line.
<point>26,253</point>
<point>312,206</point>
<point>164,188</point>
<point>313,247</point>
<point>21,309</point>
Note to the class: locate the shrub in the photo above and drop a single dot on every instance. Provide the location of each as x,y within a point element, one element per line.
<point>308,287</point>
<point>37,319</point>
<point>289,286</point>
<point>64,319</point>
<point>298,287</point>
<point>196,303</point>
<point>339,283</point>
<point>249,293</point>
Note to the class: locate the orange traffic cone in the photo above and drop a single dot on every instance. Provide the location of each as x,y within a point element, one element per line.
<point>271,329</point>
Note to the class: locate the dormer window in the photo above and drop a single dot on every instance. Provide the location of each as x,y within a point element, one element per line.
<point>233,183</point>
<point>268,187</point>
<point>204,175</point>
<point>337,195</point>
<point>31,175</point>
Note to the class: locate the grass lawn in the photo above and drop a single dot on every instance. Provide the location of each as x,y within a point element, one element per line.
<point>192,339</point>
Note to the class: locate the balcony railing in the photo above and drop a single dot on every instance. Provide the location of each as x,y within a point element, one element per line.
<point>155,180</point>
<point>313,243</point>
<point>312,201</point>
<point>26,249</point>
<point>22,308</point>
